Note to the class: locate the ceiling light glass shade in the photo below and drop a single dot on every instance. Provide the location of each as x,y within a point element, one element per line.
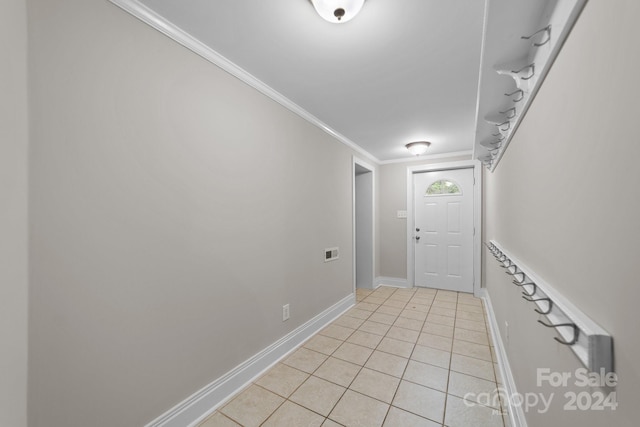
<point>337,11</point>
<point>419,147</point>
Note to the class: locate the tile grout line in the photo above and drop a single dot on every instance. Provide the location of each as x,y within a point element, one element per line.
<point>444,412</point>
<point>399,382</point>
<point>361,366</point>
<point>354,378</point>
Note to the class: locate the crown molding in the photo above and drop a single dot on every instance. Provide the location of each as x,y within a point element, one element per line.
<point>427,157</point>
<point>151,18</point>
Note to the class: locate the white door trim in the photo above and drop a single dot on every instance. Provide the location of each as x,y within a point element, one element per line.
<point>360,162</point>
<point>477,216</point>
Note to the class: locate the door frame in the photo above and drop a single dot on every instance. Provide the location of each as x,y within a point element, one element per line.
<point>477,216</point>
<point>356,161</point>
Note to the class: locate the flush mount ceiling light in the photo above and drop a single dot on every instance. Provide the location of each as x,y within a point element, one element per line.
<point>337,11</point>
<point>418,147</point>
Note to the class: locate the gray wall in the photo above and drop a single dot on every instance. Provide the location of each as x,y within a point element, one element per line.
<point>565,201</point>
<point>174,211</point>
<point>13,214</point>
<point>393,231</point>
<point>364,230</point>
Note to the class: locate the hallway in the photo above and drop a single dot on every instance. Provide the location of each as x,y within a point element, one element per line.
<point>399,357</point>
<point>166,221</point>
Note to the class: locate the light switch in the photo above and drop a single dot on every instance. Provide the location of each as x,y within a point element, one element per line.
<point>402,214</point>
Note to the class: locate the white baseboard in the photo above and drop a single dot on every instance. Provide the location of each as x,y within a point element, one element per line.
<point>391,281</point>
<point>202,403</point>
<point>516,414</point>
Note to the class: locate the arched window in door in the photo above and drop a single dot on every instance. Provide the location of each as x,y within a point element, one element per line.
<point>442,187</point>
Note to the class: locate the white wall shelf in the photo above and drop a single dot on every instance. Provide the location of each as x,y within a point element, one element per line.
<point>521,40</point>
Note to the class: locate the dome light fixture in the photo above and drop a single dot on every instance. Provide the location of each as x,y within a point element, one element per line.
<point>337,11</point>
<point>419,147</point>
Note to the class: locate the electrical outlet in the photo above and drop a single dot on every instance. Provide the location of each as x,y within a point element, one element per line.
<point>285,312</point>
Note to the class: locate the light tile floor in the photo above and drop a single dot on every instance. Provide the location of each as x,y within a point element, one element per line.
<point>398,358</point>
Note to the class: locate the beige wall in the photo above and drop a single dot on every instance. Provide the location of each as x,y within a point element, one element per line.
<point>13,214</point>
<point>565,201</point>
<point>392,232</point>
<point>175,210</point>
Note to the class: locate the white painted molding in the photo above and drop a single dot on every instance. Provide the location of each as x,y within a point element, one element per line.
<point>154,20</point>
<point>428,157</point>
<point>148,16</point>
<point>204,402</point>
<point>391,281</point>
<point>516,413</point>
<point>356,161</point>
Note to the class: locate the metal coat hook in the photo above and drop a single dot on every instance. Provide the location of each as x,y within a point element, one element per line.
<point>514,92</point>
<point>535,289</point>
<point>511,116</point>
<point>532,66</point>
<point>508,123</point>
<point>524,290</point>
<point>576,331</point>
<point>521,279</point>
<point>540,299</point>
<point>507,263</point>
<point>516,271</point>
<point>546,30</point>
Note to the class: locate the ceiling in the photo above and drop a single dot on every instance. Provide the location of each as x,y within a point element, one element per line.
<point>398,72</point>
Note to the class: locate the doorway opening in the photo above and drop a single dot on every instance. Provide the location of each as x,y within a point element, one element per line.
<point>363,225</point>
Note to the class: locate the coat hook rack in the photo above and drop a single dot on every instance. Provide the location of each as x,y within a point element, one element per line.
<point>590,342</point>
<point>525,66</point>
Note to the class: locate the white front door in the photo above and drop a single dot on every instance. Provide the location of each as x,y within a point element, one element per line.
<point>443,229</point>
